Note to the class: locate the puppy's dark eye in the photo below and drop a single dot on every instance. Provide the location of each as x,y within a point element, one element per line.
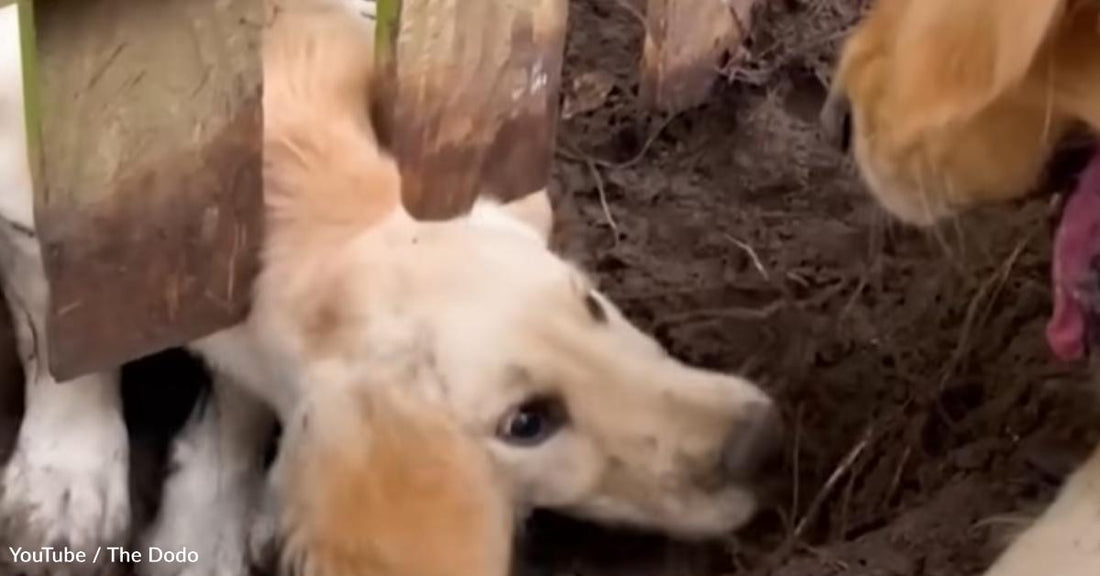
<point>533,422</point>
<point>595,308</point>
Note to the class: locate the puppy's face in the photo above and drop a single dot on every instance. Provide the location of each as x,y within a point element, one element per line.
<point>950,104</point>
<point>584,412</point>
<point>579,409</point>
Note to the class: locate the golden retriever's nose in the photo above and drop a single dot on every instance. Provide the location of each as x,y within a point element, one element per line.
<point>756,439</point>
<point>836,120</point>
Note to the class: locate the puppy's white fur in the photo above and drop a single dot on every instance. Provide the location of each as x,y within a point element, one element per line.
<point>208,503</point>
<point>535,216</point>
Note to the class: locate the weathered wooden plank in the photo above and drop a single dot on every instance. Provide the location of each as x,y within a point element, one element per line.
<point>474,97</point>
<point>148,186</point>
<point>686,43</point>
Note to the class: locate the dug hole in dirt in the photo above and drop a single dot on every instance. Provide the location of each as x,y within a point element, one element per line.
<point>927,418</point>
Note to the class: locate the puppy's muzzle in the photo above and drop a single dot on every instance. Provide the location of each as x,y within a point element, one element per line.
<point>755,440</point>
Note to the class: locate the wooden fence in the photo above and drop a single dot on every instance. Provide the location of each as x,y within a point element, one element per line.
<point>145,125</point>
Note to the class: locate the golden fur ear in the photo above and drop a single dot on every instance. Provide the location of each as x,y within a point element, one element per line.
<point>373,480</point>
<point>958,56</point>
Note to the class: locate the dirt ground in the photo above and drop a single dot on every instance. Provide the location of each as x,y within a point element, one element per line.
<point>911,365</point>
<point>927,418</point>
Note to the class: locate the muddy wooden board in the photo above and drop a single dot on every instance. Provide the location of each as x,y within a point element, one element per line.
<point>474,97</point>
<point>148,185</point>
<point>687,44</point>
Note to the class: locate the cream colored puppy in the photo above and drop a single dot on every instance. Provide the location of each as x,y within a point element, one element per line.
<point>577,409</point>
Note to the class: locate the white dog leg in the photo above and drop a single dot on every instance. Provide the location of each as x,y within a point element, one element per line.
<point>67,481</point>
<point>209,500</point>
<point>263,536</point>
<point>1065,541</point>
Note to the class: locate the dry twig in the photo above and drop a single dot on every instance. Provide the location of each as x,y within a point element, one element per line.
<point>827,489</point>
<point>570,152</point>
<point>756,262</point>
<point>795,462</point>
<point>602,192</point>
<point>979,308</point>
<point>895,482</point>
<point>730,313</point>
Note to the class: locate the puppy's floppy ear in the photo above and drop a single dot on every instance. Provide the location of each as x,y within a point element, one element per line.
<point>954,57</point>
<point>374,480</point>
<point>532,213</point>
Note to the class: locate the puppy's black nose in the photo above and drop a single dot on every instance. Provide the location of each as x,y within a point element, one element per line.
<point>756,438</point>
<point>836,121</point>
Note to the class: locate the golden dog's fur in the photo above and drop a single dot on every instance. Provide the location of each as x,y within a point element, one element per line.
<point>959,103</point>
<point>956,103</point>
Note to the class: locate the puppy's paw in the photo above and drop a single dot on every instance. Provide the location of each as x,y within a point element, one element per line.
<point>209,547</point>
<point>206,512</point>
<point>263,541</point>
<point>71,496</point>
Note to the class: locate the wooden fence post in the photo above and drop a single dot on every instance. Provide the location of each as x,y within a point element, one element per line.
<point>146,145</point>
<point>474,97</point>
<point>686,43</point>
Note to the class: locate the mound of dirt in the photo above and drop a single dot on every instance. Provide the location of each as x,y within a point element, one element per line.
<point>928,417</point>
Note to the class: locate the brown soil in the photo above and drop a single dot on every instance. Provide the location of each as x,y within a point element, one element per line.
<point>910,364</point>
